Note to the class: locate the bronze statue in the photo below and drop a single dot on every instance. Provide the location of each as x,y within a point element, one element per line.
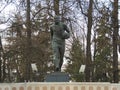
<point>59,32</point>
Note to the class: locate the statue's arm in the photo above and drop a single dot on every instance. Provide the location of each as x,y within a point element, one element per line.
<point>66,28</point>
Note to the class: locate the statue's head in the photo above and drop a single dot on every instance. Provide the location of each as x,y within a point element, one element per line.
<point>56,19</point>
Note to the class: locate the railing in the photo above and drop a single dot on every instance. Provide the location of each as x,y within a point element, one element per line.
<point>59,86</point>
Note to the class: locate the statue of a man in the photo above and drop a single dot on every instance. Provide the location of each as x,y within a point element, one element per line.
<point>59,32</point>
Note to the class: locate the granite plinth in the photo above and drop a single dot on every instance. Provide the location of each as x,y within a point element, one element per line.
<point>57,77</point>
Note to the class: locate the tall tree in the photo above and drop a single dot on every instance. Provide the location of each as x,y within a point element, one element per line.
<point>40,47</point>
<point>103,50</point>
<point>88,47</point>
<point>87,10</point>
<point>76,59</point>
<point>28,59</point>
<point>115,41</point>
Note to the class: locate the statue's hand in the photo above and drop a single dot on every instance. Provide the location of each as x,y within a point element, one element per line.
<point>66,35</point>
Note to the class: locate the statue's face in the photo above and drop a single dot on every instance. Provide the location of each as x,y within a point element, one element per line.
<point>57,19</point>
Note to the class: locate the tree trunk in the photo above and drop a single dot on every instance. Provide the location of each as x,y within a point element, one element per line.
<point>56,7</point>
<point>115,40</point>
<point>88,47</point>
<point>4,67</point>
<point>1,51</point>
<point>28,49</point>
<point>95,50</point>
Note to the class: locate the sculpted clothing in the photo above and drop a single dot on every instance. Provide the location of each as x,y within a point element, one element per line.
<point>58,36</point>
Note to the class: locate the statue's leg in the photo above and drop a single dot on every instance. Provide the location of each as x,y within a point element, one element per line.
<point>62,50</point>
<point>56,57</point>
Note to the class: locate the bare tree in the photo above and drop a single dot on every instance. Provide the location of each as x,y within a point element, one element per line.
<point>115,40</point>
<point>28,59</point>
<point>88,47</point>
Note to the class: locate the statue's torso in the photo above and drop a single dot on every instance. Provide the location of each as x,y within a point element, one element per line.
<point>58,31</point>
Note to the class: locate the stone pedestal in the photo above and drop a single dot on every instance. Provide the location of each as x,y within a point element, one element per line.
<point>57,77</point>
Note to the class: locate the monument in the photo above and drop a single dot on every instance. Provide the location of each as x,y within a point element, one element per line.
<point>59,32</point>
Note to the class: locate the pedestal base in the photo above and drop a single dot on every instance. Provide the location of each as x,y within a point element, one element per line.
<point>57,77</point>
